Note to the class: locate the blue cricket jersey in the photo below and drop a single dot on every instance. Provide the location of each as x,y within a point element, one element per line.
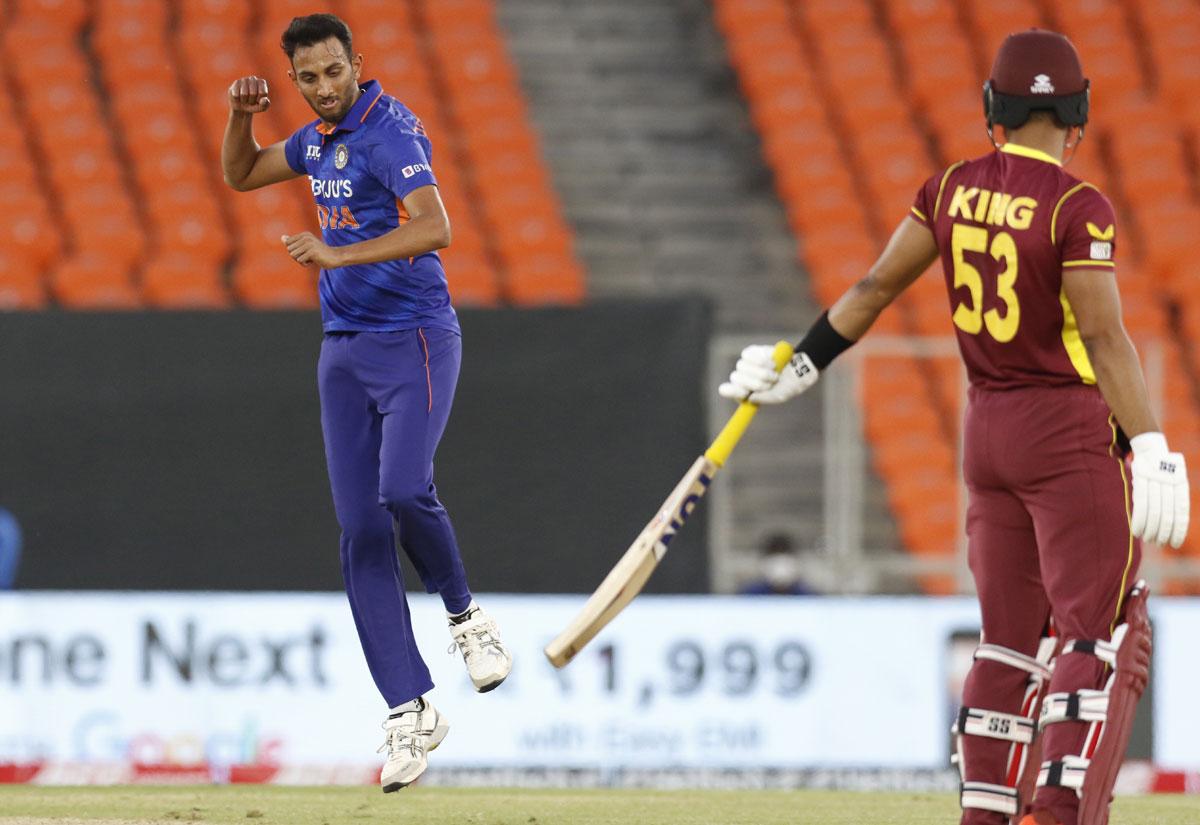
<point>360,171</point>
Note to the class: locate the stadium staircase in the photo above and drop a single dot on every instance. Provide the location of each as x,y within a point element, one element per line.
<point>857,101</point>
<point>662,175</point>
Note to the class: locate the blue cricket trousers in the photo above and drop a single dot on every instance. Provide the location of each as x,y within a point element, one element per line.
<point>385,399</point>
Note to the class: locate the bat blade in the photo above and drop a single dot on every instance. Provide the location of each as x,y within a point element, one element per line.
<point>633,570</point>
<point>629,576</point>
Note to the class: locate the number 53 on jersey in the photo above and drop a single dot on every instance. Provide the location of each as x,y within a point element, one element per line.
<point>969,315</point>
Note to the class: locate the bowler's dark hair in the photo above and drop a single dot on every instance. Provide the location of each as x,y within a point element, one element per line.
<point>313,29</point>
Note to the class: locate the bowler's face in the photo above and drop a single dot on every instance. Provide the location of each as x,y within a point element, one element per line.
<point>327,77</point>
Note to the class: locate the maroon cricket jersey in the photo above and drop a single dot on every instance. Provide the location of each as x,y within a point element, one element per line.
<point>1006,225</point>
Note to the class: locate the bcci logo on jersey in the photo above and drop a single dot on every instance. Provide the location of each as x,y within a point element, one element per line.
<point>341,156</point>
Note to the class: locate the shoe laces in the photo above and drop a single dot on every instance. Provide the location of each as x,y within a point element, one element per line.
<point>401,737</point>
<point>481,634</point>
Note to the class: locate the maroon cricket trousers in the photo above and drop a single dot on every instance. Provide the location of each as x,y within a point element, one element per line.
<point>1048,535</point>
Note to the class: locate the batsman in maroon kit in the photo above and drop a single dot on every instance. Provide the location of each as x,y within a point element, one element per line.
<point>1057,402</point>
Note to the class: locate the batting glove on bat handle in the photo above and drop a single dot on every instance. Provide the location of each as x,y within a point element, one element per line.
<point>1161,499</point>
<point>756,379</point>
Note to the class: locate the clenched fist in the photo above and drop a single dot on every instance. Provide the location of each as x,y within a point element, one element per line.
<point>305,248</point>
<point>249,95</point>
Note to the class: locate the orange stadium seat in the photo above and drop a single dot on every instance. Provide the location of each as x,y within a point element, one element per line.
<point>1173,30</point>
<point>855,61</point>
<point>994,21</point>
<point>896,163</point>
<point>21,282</point>
<point>960,130</point>
<point>535,229</point>
<point>462,13</point>
<point>91,280</point>
<point>811,161</point>
<point>931,314</point>
<point>1169,227</point>
<point>269,279</point>
<point>544,278</point>
<point>234,13</point>
<point>767,61</point>
<point>69,14</point>
<point>176,280</point>
<point>938,63</point>
<point>1142,308</point>
<point>793,102</point>
<point>835,14</point>
<point>914,16</point>
<point>831,201</point>
<point>471,276</point>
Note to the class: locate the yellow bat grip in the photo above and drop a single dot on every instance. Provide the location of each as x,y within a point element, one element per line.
<point>718,452</point>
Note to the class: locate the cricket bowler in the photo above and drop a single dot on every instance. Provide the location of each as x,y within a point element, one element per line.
<point>388,366</point>
<point>1056,403</point>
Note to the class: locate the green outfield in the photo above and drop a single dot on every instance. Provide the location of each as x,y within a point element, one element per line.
<point>24,805</point>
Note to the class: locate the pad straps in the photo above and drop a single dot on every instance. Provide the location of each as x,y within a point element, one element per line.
<point>1079,706</point>
<point>1065,773</point>
<point>1012,658</point>
<point>988,797</point>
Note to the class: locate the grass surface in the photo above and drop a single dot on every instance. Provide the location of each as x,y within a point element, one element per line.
<point>267,805</point>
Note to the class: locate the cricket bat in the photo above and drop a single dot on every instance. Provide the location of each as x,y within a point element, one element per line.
<point>630,574</point>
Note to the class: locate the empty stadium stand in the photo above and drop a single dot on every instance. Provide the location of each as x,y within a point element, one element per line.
<point>125,102</point>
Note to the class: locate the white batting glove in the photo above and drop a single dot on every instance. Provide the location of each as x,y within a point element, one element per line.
<point>1161,502</point>
<point>755,379</point>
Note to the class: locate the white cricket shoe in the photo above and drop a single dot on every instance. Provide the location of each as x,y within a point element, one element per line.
<point>410,735</point>
<point>477,637</point>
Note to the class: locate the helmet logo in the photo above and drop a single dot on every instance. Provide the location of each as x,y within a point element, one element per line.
<point>1042,85</point>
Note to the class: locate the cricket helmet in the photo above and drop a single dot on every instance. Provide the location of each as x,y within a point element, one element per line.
<point>1036,70</point>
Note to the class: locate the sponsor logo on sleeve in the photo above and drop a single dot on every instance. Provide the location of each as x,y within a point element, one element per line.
<point>409,171</point>
<point>1102,247</point>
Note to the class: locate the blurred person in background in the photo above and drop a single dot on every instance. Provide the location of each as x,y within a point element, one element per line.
<point>10,549</point>
<point>779,570</point>
<point>389,361</point>
<point>1057,400</point>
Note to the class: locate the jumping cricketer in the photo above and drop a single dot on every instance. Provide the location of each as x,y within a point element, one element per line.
<point>389,361</point>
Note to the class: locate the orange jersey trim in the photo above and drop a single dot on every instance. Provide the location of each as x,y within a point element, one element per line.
<point>325,129</point>
<point>428,376</point>
<point>372,106</point>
